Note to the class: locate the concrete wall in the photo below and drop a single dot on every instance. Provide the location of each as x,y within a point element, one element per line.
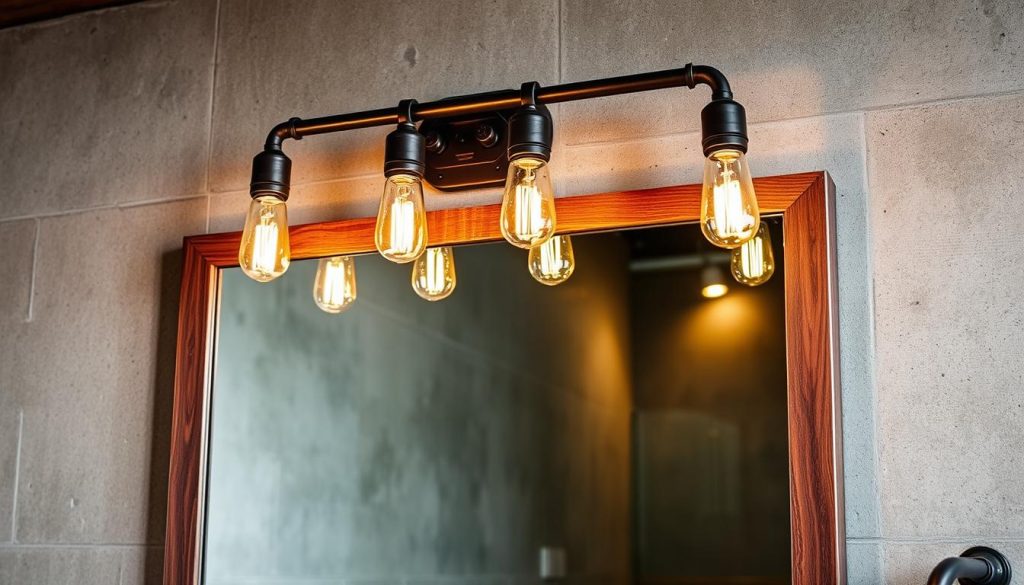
<point>413,442</point>
<point>126,129</point>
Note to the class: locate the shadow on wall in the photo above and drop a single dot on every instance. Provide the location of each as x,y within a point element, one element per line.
<point>163,402</point>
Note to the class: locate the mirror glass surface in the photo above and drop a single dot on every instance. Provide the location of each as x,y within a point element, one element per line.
<point>617,428</point>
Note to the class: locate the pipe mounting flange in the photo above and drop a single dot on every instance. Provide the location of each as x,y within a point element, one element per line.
<point>999,566</point>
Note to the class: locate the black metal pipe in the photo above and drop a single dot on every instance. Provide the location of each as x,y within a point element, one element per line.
<point>976,566</point>
<point>689,76</point>
<point>948,571</point>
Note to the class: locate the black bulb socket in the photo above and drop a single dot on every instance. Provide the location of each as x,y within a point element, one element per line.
<point>530,133</point>
<point>405,152</point>
<point>271,175</point>
<point>723,126</point>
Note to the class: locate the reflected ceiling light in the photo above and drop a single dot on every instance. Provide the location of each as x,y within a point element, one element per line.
<point>528,207</point>
<point>464,151</point>
<point>753,263</point>
<point>433,274</point>
<point>712,282</point>
<point>334,288</point>
<point>553,261</point>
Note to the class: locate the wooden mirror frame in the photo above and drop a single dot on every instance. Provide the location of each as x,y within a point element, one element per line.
<point>807,204</point>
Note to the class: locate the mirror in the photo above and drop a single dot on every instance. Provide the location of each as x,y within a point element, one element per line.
<point>617,428</point>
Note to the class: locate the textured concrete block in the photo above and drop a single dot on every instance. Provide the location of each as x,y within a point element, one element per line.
<point>785,60</point>
<point>93,373</point>
<point>945,212</point>
<point>864,563</point>
<point>93,564</point>
<point>17,240</point>
<point>910,563</point>
<point>833,143</point>
<point>108,107</point>
<point>356,56</point>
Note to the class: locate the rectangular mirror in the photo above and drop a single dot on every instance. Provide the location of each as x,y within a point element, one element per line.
<point>621,421</point>
<point>632,424</point>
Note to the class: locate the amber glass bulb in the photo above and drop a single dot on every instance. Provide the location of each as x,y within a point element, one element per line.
<point>753,262</point>
<point>528,207</point>
<point>265,253</point>
<point>433,274</point>
<point>552,262</point>
<point>334,288</point>
<point>728,207</point>
<point>401,234</point>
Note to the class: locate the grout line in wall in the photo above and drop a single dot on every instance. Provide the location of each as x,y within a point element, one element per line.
<point>561,32</point>
<point>78,546</point>
<point>32,277</point>
<point>946,100</point>
<point>937,540</point>
<point>17,476</point>
<point>869,267</point>
<point>209,206</point>
<point>148,202</point>
<point>294,184</point>
<point>107,207</point>
<point>94,12</point>
<point>696,131</point>
<point>213,91</point>
<point>820,115</point>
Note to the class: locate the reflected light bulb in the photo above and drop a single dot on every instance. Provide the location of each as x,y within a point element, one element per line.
<point>712,282</point>
<point>552,262</point>
<point>753,263</point>
<point>334,288</point>
<point>265,253</point>
<point>528,207</point>
<point>433,274</point>
<point>728,206</point>
<point>401,234</point>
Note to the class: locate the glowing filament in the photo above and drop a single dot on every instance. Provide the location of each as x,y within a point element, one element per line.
<point>264,253</point>
<point>337,288</point>
<point>752,257</point>
<point>403,224</point>
<point>529,209</point>
<point>551,257</point>
<point>728,200</point>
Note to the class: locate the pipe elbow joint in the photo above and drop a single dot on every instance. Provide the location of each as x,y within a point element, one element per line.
<point>280,133</point>
<point>946,572</point>
<point>711,77</point>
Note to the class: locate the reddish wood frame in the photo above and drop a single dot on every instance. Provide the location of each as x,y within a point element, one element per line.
<point>807,204</point>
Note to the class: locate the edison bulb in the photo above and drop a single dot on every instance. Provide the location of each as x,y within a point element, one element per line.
<point>401,234</point>
<point>552,262</point>
<point>728,207</point>
<point>753,263</point>
<point>265,253</point>
<point>334,288</point>
<point>433,274</point>
<point>528,208</point>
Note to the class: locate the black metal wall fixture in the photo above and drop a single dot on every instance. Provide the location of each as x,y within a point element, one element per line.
<point>489,139</point>
<point>978,565</point>
<point>478,121</point>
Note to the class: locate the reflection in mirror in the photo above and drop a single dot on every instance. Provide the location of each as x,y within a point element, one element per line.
<point>619,427</point>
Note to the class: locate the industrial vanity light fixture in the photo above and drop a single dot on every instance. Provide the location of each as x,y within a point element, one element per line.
<point>458,146</point>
